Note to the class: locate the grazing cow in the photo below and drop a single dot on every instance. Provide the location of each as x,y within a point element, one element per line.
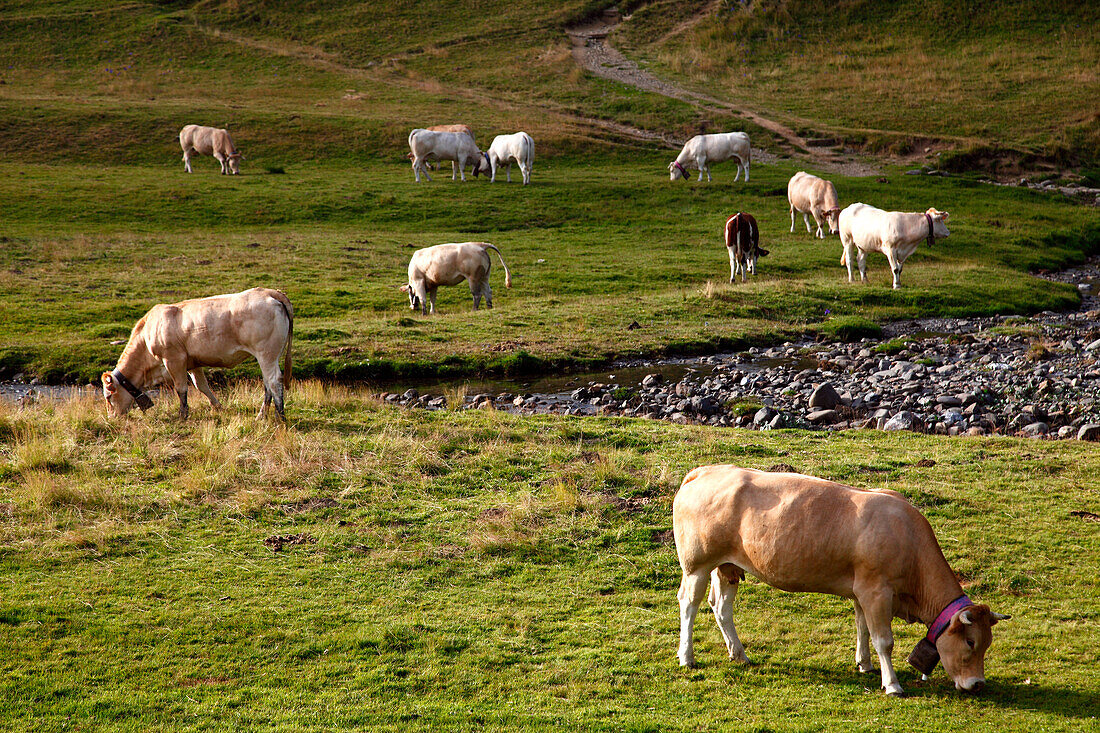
<point>447,128</point>
<point>171,341</point>
<point>702,150</point>
<point>743,243</point>
<point>812,195</point>
<point>455,146</point>
<point>893,233</point>
<point>210,141</point>
<point>505,148</point>
<point>805,534</point>
<point>450,264</point>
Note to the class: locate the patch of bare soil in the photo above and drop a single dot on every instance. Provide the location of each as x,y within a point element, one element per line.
<point>278,542</point>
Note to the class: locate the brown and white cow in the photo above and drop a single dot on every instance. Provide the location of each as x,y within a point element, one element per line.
<point>812,195</point>
<point>743,244</point>
<point>210,141</point>
<point>450,264</point>
<point>896,234</point>
<point>171,341</point>
<point>806,534</point>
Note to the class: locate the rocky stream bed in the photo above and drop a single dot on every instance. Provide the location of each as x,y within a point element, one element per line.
<point>1037,376</point>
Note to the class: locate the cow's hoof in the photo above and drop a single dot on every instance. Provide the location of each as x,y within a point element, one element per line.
<point>689,663</point>
<point>866,668</point>
<point>895,692</point>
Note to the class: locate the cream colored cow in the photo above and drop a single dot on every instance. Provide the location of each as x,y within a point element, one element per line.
<point>171,341</point>
<point>450,264</point>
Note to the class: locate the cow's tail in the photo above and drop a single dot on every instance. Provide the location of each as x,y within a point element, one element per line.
<point>288,360</point>
<point>530,152</point>
<point>507,275</point>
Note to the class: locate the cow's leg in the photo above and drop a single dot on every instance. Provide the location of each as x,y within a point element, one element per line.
<point>198,378</point>
<point>723,589</point>
<point>792,218</point>
<point>187,160</point>
<point>743,265</point>
<point>431,299</point>
<point>733,265</point>
<point>273,385</point>
<point>746,164</point>
<point>475,290</point>
<point>179,381</point>
<point>420,167</point>
<point>877,612</point>
<point>508,170</point>
<point>488,293</point>
<point>806,219</point>
<point>895,268</point>
<point>846,257</point>
<point>862,262</point>
<point>221,160</point>
<point>820,233</point>
<point>693,588</point>
<point>863,641</point>
<point>752,264</point>
<point>454,165</point>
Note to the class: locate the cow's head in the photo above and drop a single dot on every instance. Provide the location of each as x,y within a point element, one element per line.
<point>676,170</point>
<point>235,159</point>
<point>119,401</point>
<point>939,229</point>
<point>962,646</point>
<point>414,299</point>
<point>481,164</point>
<point>833,217</point>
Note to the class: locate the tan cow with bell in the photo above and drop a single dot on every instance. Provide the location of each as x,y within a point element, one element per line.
<point>171,342</point>
<point>814,196</point>
<point>896,234</point>
<point>805,534</point>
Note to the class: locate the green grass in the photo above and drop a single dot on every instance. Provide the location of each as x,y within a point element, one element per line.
<point>593,244</point>
<point>477,569</point>
<point>993,76</point>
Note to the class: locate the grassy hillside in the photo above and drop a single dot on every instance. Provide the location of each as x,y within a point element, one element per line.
<point>1015,76</point>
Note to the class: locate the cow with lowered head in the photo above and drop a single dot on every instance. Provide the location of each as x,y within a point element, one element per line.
<point>806,534</point>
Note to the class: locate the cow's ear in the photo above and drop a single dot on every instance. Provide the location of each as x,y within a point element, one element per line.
<point>761,252</point>
<point>944,215</point>
<point>405,288</point>
<point>108,382</point>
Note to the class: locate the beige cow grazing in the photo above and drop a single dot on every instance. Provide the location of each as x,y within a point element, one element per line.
<point>450,264</point>
<point>804,534</point>
<point>454,146</point>
<point>702,150</point>
<point>171,341</point>
<point>210,141</point>
<point>812,195</point>
<point>893,233</point>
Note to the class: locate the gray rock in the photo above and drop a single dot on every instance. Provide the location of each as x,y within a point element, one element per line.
<point>764,416</point>
<point>410,394</point>
<point>825,397</point>
<point>653,380</point>
<point>823,417</point>
<point>1089,431</point>
<point>905,420</point>
<point>1035,429</point>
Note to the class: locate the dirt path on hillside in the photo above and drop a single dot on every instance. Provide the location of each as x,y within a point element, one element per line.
<point>385,72</point>
<point>592,51</point>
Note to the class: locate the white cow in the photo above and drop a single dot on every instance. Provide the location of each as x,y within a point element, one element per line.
<point>210,141</point>
<point>894,233</point>
<point>505,148</point>
<point>456,146</point>
<point>812,195</point>
<point>450,264</point>
<point>702,150</point>
<point>448,128</point>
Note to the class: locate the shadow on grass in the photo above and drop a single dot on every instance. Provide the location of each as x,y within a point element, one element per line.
<point>1054,700</point>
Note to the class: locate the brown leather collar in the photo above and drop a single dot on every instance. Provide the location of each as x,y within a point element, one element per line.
<point>931,239</point>
<point>143,401</point>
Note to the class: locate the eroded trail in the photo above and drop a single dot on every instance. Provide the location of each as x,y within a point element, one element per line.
<point>592,51</point>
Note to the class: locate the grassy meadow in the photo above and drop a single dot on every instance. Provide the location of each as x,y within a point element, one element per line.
<point>366,567</point>
<point>473,570</point>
